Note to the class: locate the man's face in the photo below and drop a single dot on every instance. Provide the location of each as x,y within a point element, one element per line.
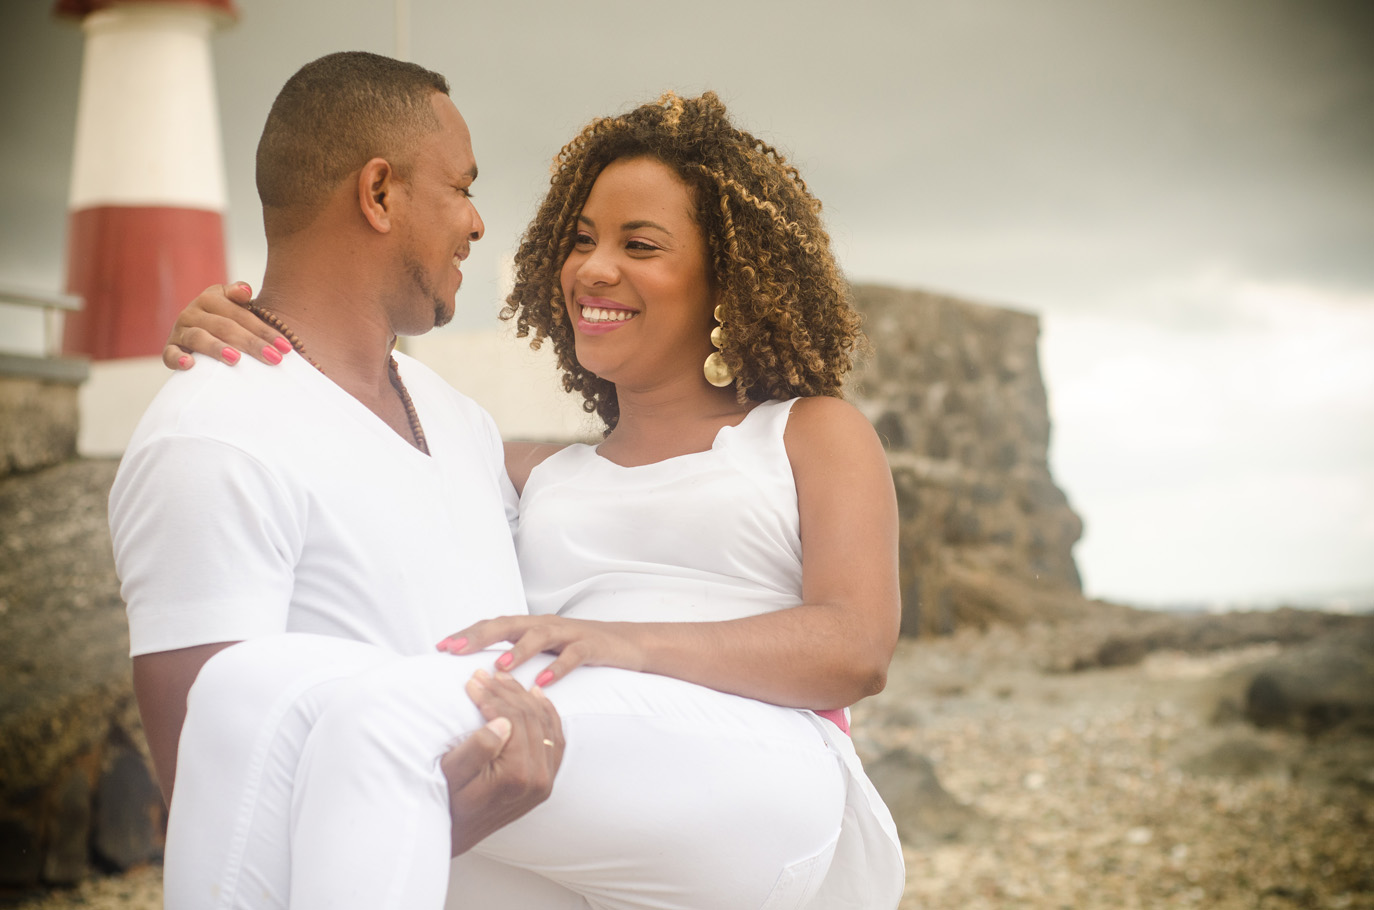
<point>440,223</point>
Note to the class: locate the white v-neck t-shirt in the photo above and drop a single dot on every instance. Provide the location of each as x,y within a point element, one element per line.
<point>254,500</point>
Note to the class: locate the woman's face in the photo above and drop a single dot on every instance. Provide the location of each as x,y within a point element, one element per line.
<point>636,285</point>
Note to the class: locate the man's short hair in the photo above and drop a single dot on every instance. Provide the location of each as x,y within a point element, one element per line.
<point>332,117</point>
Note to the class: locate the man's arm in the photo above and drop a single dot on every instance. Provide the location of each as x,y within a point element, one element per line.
<point>494,777</point>
<point>161,682</point>
<point>205,542</point>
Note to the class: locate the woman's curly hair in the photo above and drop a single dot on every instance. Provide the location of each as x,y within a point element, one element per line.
<point>790,327</point>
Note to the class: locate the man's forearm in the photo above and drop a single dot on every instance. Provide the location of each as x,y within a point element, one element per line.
<point>161,683</point>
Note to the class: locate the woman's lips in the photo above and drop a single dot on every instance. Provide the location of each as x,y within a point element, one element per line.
<point>597,316</point>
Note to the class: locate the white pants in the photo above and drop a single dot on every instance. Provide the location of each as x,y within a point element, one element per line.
<point>308,777</point>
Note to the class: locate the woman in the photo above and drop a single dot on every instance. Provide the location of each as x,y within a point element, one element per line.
<point>731,540</point>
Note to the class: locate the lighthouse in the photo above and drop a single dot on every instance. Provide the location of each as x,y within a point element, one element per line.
<point>146,210</point>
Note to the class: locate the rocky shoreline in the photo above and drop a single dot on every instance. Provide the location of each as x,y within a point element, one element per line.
<point>1138,785</point>
<point>1026,773</point>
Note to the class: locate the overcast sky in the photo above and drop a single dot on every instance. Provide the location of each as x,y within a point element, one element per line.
<point>1183,190</point>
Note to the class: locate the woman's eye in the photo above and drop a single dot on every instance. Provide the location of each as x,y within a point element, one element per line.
<point>581,238</point>
<point>466,191</point>
<point>640,245</point>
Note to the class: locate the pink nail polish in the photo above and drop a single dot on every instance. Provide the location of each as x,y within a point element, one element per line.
<point>183,361</point>
<point>244,285</point>
<point>230,356</point>
<point>281,344</point>
<point>270,354</point>
<point>504,660</point>
<point>457,644</point>
<point>442,645</point>
<point>543,679</point>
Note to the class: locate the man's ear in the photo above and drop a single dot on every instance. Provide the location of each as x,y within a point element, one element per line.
<point>377,186</point>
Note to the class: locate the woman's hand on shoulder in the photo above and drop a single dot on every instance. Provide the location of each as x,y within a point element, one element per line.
<point>575,641</point>
<point>218,325</point>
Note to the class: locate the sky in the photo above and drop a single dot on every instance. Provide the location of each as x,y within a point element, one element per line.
<point>1182,190</point>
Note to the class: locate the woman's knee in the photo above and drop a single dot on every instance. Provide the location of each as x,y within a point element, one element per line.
<point>409,709</point>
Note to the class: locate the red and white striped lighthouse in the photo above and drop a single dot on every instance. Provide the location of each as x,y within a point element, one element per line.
<point>146,225</point>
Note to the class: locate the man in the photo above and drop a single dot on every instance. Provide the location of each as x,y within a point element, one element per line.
<point>349,494</point>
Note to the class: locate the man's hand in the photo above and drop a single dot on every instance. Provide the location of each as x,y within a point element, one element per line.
<point>507,768</point>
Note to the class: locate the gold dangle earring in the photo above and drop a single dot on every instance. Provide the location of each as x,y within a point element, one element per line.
<point>717,371</point>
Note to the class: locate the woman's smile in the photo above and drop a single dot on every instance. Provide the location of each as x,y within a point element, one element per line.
<point>599,315</point>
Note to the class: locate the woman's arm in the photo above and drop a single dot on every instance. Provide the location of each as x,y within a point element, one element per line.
<point>524,457</point>
<point>217,324</point>
<point>829,652</point>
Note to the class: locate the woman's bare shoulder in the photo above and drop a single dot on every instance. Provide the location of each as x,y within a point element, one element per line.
<point>823,417</point>
<point>823,433</point>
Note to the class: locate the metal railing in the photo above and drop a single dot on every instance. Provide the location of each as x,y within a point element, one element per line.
<point>31,335</point>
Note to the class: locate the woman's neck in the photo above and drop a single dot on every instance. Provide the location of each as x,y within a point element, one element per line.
<point>666,422</point>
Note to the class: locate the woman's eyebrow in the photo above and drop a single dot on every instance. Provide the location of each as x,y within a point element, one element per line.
<point>636,225</point>
<point>627,226</point>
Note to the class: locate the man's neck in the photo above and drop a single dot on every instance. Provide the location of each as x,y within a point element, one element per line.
<point>323,285</point>
<point>347,338</point>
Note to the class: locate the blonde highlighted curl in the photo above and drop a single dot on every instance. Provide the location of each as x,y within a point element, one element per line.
<point>790,326</point>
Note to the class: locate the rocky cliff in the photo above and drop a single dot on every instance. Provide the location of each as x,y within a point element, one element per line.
<point>954,390</point>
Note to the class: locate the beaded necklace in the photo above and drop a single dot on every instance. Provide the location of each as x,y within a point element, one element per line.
<point>416,430</point>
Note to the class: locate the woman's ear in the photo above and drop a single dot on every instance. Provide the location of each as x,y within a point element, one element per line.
<point>376,194</point>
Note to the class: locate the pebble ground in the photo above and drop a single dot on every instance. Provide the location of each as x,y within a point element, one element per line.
<point>1095,786</point>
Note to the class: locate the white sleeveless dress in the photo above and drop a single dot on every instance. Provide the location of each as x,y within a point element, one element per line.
<point>707,536</point>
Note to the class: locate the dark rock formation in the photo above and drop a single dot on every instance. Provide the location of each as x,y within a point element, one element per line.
<point>71,777</point>
<point>925,813</point>
<point>1236,756</point>
<point>128,824</point>
<point>954,390</point>
<point>1325,685</point>
<point>1127,636</point>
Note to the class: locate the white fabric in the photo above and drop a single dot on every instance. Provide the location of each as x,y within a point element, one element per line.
<point>254,500</point>
<point>308,769</point>
<point>670,795</point>
<point>707,536</point>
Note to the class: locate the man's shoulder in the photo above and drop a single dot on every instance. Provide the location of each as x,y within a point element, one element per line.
<point>216,401</point>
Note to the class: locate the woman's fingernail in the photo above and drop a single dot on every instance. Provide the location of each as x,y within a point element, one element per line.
<point>504,660</point>
<point>443,644</point>
<point>270,354</point>
<point>184,361</point>
<point>543,679</point>
<point>457,644</point>
<point>281,344</point>
<point>230,356</point>
<point>244,285</point>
